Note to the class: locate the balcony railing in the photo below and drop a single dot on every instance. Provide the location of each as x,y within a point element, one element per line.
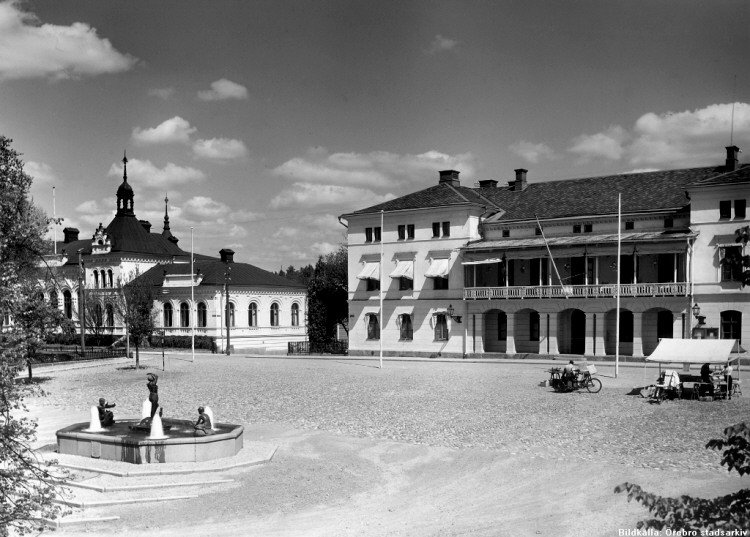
<point>577,291</point>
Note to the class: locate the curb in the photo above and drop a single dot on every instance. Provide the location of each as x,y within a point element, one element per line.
<point>57,524</point>
<point>104,503</point>
<point>122,488</point>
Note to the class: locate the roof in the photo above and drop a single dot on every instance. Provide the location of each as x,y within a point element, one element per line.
<point>574,240</point>
<point>648,191</point>
<point>212,270</point>
<point>693,351</point>
<point>737,177</point>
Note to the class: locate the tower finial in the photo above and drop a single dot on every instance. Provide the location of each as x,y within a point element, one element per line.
<point>124,165</point>
<point>166,212</point>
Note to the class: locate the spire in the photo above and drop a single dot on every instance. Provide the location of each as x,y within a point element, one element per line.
<point>125,192</point>
<point>166,233</point>
<point>124,166</point>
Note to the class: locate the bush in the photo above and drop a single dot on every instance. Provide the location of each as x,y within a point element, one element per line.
<point>727,513</point>
<point>183,342</point>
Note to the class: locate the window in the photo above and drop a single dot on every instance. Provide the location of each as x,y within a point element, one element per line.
<point>167,314</point>
<point>376,234</point>
<point>739,209</point>
<point>725,209</point>
<point>410,231</point>
<point>275,314</point>
<point>534,326</point>
<point>406,331</point>
<point>730,258</point>
<point>373,327</point>
<point>68,304</point>
<point>368,234</point>
<point>401,232</point>
<point>109,275</point>
<point>629,225</point>
<point>98,315</point>
<point>104,279</point>
<point>252,314</point>
<point>405,284</point>
<point>96,279</point>
<point>588,228</point>
<point>440,283</point>
<point>295,314</point>
<point>441,327</point>
<point>446,229</point>
<point>731,324</point>
<point>537,231</point>
<point>53,300</point>
<point>202,315</point>
<point>184,315</point>
<point>231,314</point>
<point>373,285</point>
<point>110,315</point>
<point>576,228</point>
<point>506,233</point>
<point>435,230</point>
<point>669,222</point>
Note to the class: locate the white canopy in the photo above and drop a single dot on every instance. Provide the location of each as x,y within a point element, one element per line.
<point>371,271</point>
<point>404,269</point>
<point>439,268</point>
<point>694,351</point>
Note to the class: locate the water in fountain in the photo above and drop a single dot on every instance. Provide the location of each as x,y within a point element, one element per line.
<point>157,430</point>
<point>94,425</point>
<point>210,413</point>
<point>146,409</point>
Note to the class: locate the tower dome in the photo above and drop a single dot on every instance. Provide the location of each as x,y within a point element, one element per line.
<point>125,192</point>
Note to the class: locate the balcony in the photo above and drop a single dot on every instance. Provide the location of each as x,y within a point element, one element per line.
<point>577,291</point>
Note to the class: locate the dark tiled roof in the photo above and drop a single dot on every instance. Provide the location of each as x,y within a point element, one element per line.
<point>649,191</point>
<point>737,177</point>
<point>576,240</point>
<point>212,270</point>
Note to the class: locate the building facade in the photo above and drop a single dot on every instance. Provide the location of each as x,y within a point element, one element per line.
<point>532,268</point>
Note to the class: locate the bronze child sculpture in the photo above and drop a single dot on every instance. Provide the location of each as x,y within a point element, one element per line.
<point>106,417</point>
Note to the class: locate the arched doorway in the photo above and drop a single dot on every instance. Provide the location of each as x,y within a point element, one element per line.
<point>657,324</point>
<point>495,331</point>
<point>571,332</point>
<point>527,331</point>
<point>626,332</point>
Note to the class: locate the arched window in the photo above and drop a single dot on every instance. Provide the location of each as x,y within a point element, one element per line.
<point>96,279</point>
<point>295,314</point>
<point>373,327</point>
<point>167,314</point>
<point>231,314</point>
<point>104,278</point>
<point>109,275</point>
<point>98,315</point>
<point>275,314</point>
<point>184,315</point>
<point>202,315</point>
<point>53,301</point>
<point>441,327</point>
<point>110,315</point>
<point>731,324</point>
<point>406,330</point>
<point>68,304</point>
<point>252,314</point>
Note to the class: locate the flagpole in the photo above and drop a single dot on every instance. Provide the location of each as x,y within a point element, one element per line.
<point>617,315</point>
<point>192,299</point>
<point>54,220</point>
<point>380,321</point>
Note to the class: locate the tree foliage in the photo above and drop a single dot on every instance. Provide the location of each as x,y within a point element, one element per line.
<point>739,261</point>
<point>134,304</point>
<point>327,298</point>
<point>25,486</point>
<point>729,512</point>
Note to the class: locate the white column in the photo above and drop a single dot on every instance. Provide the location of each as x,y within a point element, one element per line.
<point>543,335</point>
<point>637,334</point>
<point>552,335</point>
<point>590,334</point>
<point>510,343</point>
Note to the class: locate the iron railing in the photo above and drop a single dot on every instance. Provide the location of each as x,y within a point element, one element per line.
<point>578,291</point>
<point>339,346</point>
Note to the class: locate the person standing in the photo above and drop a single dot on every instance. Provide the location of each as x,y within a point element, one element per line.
<point>727,372</point>
<point>707,380</point>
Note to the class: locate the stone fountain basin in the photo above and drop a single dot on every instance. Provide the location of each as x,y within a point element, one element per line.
<point>119,443</point>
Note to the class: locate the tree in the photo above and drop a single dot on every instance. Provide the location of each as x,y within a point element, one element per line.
<point>739,261</point>
<point>25,486</point>
<point>136,309</point>
<point>327,298</point>
<point>730,512</point>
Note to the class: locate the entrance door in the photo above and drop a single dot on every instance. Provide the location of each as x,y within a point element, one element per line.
<point>577,332</point>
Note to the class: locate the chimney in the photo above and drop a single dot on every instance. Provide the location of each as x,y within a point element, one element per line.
<point>488,183</point>
<point>227,255</point>
<point>450,177</point>
<point>146,225</point>
<point>732,158</point>
<point>519,184</point>
<point>71,234</point>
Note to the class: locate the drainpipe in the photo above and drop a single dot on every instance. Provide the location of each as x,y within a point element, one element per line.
<point>690,268</point>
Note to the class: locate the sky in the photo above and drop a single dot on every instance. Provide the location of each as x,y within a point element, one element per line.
<point>263,121</point>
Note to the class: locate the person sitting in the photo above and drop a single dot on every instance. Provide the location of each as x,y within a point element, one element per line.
<point>203,426</point>
<point>569,373</point>
<point>106,417</point>
<point>707,385</point>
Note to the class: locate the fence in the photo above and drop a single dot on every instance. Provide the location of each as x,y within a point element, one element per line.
<point>339,346</point>
<point>65,353</point>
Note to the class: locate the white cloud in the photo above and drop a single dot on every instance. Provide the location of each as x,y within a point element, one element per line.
<point>223,89</point>
<point>220,149</point>
<point>205,207</point>
<point>29,49</point>
<point>144,173</point>
<point>378,169</point>
<point>441,43</point>
<point>162,93</point>
<point>42,173</point>
<point>313,195</point>
<point>608,144</point>
<point>532,152</point>
<point>174,130</point>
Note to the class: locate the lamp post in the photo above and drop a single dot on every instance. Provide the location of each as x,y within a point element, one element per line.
<point>697,314</point>
<point>81,302</point>
<point>450,311</point>
<point>227,278</point>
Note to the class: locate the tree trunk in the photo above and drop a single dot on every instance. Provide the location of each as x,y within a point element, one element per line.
<point>137,357</point>
<point>31,376</point>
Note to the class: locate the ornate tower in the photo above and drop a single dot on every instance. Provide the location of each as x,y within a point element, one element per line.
<point>125,192</point>
<point>166,233</point>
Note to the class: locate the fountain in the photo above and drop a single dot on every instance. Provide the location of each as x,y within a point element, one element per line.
<point>210,413</point>
<point>146,409</point>
<point>157,429</point>
<point>95,425</point>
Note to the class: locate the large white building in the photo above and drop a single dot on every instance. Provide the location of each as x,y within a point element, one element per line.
<point>531,267</point>
<point>266,311</point>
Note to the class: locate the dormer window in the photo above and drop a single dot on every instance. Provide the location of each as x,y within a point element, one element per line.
<point>576,228</point>
<point>588,228</point>
<point>669,223</point>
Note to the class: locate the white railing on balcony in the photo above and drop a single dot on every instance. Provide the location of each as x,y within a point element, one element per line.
<point>577,291</point>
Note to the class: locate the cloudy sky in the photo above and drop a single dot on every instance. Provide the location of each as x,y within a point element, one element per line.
<point>264,120</point>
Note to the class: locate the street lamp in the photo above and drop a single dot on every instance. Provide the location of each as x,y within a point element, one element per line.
<point>81,302</point>
<point>227,278</point>
<point>450,312</point>
<point>697,314</point>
